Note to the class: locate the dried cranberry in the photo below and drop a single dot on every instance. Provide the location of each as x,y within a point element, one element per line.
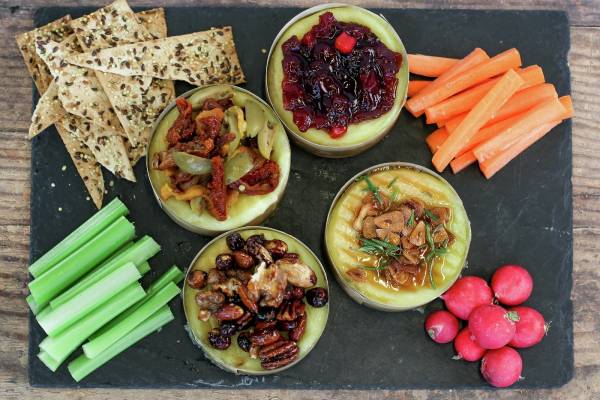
<point>266,314</point>
<point>297,293</point>
<point>218,341</point>
<point>228,328</point>
<point>224,262</point>
<point>317,297</point>
<point>243,341</point>
<point>235,241</point>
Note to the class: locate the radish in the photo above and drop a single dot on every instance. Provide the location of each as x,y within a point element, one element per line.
<point>466,347</point>
<point>531,327</point>
<point>467,293</point>
<point>492,326</point>
<point>512,285</point>
<point>501,367</point>
<point>441,326</point>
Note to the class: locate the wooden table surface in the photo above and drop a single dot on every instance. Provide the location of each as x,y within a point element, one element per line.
<point>15,112</point>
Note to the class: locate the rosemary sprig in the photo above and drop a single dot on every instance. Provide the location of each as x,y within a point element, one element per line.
<point>392,182</point>
<point>378,247</point>
<point>371,188</point>
<point>411,219</point>
<point>431,215</point>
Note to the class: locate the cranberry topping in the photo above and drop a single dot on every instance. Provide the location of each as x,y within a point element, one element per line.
<point>336,75</point>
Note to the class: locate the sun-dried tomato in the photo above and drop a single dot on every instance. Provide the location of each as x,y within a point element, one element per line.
<point>262,179</point>
<point>208,123</point>
<point>211,103</point>
<point>197,147</point>
<point>183,128</point>
<point>217,204</point>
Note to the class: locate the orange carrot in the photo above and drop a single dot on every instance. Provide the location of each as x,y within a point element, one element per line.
<point>497,162</point>
<point>430,66</point>
<point>477,117</point>
<point>437,92</point>
<point>415,87</point>
<point>436,138</point>
<point>476,57</point>
<point>488,132</point>
<point>462,162</point>
<point>544,113</point>
<point>521,101</point>
<point>464,101</point>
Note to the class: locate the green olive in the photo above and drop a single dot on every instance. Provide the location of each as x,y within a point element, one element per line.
<point>266,137</point>
<point>192,164</point>
<point>234,118</point>
<point>237,166</point>
<point>255,116</point>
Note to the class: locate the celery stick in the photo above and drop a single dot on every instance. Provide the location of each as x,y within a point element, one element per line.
<point>96,346</point>
<point>59,347</point>
<point>48,361</point>
<point>90,228</point>
<point>56,320</point>
<point>137,253</point>
<point>174,275</point>
<point>83,366</point>
<point>144,268</point>
<point>33,306</point>
<point>62,275</point>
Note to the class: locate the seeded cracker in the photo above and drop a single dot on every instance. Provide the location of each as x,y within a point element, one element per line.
<point>83,159</point>
<point>47,111</point>
<point>198,58</point>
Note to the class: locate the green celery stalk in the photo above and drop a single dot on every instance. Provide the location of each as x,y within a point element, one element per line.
<point>137,253</point>
<point>96,346</point>
<point>174,274</point>
<point>56,320</point>
<point>89,229</point>
<point>48,361</point>
<point>33,306</point>
<point>62,275</point>
<point>59,347</point>
<point>83,366</point>
<point>144,268</point>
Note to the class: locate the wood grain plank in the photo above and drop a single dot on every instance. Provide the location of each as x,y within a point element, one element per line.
<point>14,212</point>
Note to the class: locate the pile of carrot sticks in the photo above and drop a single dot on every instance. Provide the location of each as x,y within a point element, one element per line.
<point>487,109</point>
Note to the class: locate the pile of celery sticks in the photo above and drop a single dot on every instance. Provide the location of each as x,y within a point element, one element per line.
<point>86,290</point>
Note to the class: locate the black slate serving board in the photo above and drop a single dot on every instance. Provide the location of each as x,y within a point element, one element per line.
<point>524,216</point>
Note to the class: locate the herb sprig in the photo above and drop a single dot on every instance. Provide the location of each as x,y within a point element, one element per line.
<point>371,187</point>
<point>378,247</point>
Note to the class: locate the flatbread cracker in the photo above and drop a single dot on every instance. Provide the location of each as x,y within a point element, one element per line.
<point>85,163</point>
<point>78,88</point>
<point>198,58</point>
<point>47,111</point>
<point>38,70</point>
<point>154,21</point>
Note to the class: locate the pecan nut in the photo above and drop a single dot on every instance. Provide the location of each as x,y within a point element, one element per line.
<point>197,279</point>
<point>229,312</point>
<point>210,300</point>
<point>243,259</point>
<point>297,333</point>
<point>215,276</point>
<point>277,248</point>
<point>291,311</point>
<point>265,325</point>
<point>260,253</point>
<point>244,321</point>
<point>265,337</point>
<point>246,300</point>
<point>278,354</point>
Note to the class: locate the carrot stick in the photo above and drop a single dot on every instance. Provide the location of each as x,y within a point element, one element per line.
<point>464,101</point>
<point>435,139</point>
<point>436,93</point>
<point>544,113</point>
<point>477,117</point>
<point>497,162</point>
<point>521,101</point>
<point>476,57</point>
<point>462,162</point>
<point>488,132</point>
<point>430,66</point>
<point>415,87</point>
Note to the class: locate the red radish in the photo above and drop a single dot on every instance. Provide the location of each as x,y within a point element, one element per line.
<point>441,326</point>
<point>492,326</point>
<point>466,347</point>
<point>467,293</point>
<point>512,285</point>
<point>531,328</point>
<point>501,367</point>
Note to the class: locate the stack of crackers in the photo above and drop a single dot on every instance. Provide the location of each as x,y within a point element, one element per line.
<point>105,78</point>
